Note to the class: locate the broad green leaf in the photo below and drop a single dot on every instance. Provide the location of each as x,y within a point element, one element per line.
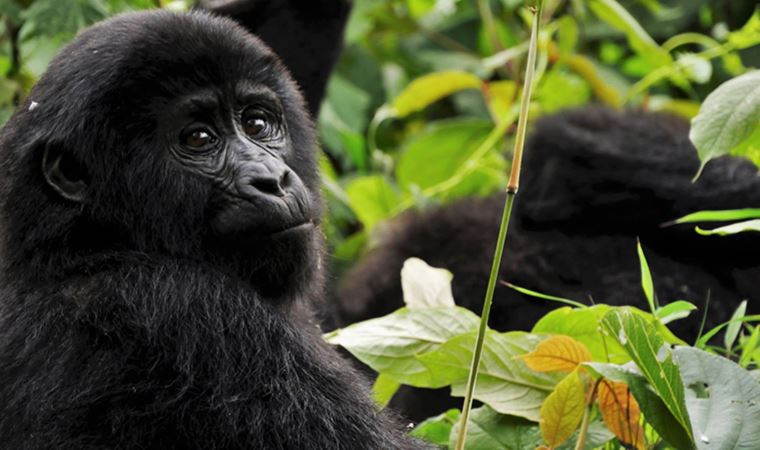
<point>616,16</point>
<point>425,286</point>
<point>652,356</point>
<point>749,148</point>
<point>749,34</point>
<point>392,344</point>
<point>597,436</point>
<point>557,354</point>
<point>562,411</point>
<point>735,325</point>
<point>429,88</point>
<point>61,17</point>
<point>372,198</point>
<point>561,89</point>
<point>567,35</point>
<point>749,347</point>
<point>441,151</point>
<point>583,325</point>
<point>437,429</point>
<point>727,117</point>
<point>720,216</point>
<point>504,383</point>
<point>674,311</point>
<point>723,400</point>
<point>734,228</point>
<point>489,430</point>
<point>383,389</point>
<point>646,279</point>
<point>655,411</point>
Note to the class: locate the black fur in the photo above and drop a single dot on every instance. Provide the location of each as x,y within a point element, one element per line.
<point>594,180</point>
<point>124,322</point>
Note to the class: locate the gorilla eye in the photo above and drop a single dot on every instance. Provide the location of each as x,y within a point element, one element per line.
<point>259,124</point>
<point>198,138</point>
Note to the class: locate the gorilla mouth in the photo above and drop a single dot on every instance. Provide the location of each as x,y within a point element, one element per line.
<point>294,229</point>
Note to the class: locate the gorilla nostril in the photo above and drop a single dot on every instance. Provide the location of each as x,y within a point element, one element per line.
<point>286,180</point>
<point>267,185</point>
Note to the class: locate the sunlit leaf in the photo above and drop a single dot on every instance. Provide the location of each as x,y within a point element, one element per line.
<point>383,389</point>
<point>653,357</point>
<point>679,309</point>
<point>505,383</point>
<point>734,228</point>
<point>557,353</point>
<point>372,198</point>
<point>562,411</point>
<point>621,413</point>
<point>426,89</point>
<point>391,344</point>
<point>722,398</point>
<point>727,117</point>
<point>489,430</point>
<point>646,278</point>
<point>425,286</point>
<point>438,429</point>
<point>732,330</point>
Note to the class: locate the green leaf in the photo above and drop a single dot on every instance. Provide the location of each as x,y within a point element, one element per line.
<point>391,344</point>
<point>727,117</point>
<point>654,409</point>
<point>653,357</point>
<point>723,400</point>
<point>62,17</point>
<point>679,309</point>
<point>444,149</point>
<point>616,16</point>
<point>550,298</point>
<point>646,278</point>
<point>741,227</point>
<point>504,382</point>
<point>584,326</point>
<point>429,88</point>
<point>720,216</point>
<point>372,198</point>
<point>489,430</point>
<point>732,330</point>
<point>561,89</point>
<point>437,429</point>
<point>383,389</point>
<point>749,347</point>
<point>425,286</point>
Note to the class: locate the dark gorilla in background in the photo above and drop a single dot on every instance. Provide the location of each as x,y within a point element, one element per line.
<point>159,216</point>
<point>307,35</point>
<point>594,180</point>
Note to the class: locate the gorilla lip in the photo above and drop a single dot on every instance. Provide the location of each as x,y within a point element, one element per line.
<point>303,226</point>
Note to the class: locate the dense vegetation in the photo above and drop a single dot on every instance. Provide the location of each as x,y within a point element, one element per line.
<point>422,110</point>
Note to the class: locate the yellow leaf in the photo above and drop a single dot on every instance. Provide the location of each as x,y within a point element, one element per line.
<point>562,410</point>
<point>557,353</point>
<point>500,96</point>
<point>621,413</point>
<point>431,87</point>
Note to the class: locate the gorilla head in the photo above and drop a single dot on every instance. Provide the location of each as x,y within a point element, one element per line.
<point>165,133</point>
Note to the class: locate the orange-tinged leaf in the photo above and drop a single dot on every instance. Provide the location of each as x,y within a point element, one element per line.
<point>562,410</point>
<point>557,353</point>
<point>621,413</point>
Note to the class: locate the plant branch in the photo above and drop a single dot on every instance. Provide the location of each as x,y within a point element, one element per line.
<point>512,187</point>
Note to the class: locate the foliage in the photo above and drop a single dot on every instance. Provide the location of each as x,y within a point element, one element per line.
<point>584,377</point>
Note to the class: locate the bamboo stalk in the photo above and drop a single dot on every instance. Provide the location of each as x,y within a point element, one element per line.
<point>512,187</point>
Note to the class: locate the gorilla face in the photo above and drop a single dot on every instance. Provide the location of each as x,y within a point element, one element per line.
<point>183,139</point>
<point>240,143</point>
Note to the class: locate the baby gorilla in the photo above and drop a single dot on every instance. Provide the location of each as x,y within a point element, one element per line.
<point>160,248</point>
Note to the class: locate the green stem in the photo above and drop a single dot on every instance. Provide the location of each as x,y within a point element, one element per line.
<point>495,265</point>
<point>512,187</point>
<point>580,443</point>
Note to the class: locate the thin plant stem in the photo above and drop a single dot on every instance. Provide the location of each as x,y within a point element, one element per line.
<point>512,187</point>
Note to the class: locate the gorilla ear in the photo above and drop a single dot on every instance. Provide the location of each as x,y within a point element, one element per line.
<point>64,173</point>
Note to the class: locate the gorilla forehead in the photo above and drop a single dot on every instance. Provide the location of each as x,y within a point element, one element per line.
<point>135,58</point>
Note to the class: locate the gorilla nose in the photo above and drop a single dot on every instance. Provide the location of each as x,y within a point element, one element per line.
<point>272,182</point>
